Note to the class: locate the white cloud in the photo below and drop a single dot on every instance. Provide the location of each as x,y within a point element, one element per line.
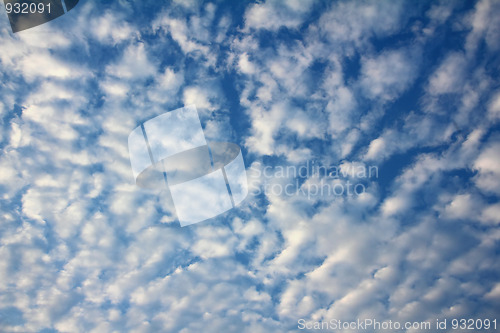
<point>44,65</point>
<point>349,142</point>
<point>485,26</point>
<point>438,14</point>
<point>376,149</point>
<point>265,124</point>
<point>273,14</point>
<point>494,107</point>
<point>111,29</point>
<point>305,124</point>
<point>180,33</point>
<point>388,74</point>
<point>49,38</point>
<point>351,23</point>
<point>135,64</point>
<point>245,65</point>
<point>193,33</point>
<point>167,86</point>
<point>450,75</point>
<point>395,205</point>
<point>114,87</point>
<point>494,293</point>
<point>198,96</point>
<point>340,110</point>
<point>49,93</point>
<point>416,130</point>
<point>463,206</point>
<point>491,214</point>
<point>488,166</point>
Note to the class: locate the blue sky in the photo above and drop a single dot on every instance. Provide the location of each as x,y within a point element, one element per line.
<point>410,88</point>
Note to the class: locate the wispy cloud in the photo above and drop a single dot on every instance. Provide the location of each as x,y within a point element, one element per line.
<point>409,88</point>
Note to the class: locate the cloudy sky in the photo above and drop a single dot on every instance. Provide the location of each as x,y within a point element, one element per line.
<point>410,88</point>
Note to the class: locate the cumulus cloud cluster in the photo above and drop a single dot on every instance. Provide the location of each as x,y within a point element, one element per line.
<point>372,82</point>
